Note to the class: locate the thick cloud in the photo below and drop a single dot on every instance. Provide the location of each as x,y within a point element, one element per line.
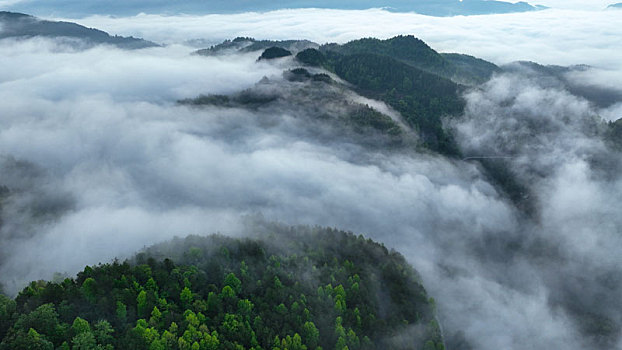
<point>561,37</point>
<point>101,128</point>
<point>556,150</point>
<point>100,161</point>
<point>558,37</point>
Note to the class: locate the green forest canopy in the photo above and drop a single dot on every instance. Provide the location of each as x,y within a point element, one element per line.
<point>288,288</point>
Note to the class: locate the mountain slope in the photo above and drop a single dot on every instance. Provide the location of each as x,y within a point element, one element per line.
<point>19,25</point>
<point>422,98</point>
<point>407,49</point>
<point>242,44</point>
<point>416,53</point>
<point>288,288</point>
<point>470,70</point>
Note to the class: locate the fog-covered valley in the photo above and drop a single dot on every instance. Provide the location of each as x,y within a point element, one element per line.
<point>516,235</point>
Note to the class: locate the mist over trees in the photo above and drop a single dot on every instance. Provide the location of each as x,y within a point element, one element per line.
<point>499,183</point>
<point>287,288</point>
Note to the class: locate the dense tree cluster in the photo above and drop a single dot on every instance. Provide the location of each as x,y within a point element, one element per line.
<point>311,57</point>
<point>246,44</point>
<point>422,98</point>
<point>367,117</point>
<point>403,72</point>
<point>404,48</point>
<point>290,288</point>
<point>614,134</point>
<point>274,52</point>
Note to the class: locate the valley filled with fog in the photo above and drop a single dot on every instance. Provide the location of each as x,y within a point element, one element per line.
<point>98,159</point>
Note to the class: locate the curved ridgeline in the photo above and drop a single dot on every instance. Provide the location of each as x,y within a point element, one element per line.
<point>287,288</point>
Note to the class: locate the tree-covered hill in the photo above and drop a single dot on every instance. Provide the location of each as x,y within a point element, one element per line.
<point>471,70</point>
<point>422,98</point>
<point>403,72</point>
<point>324,108</point>
<point>244,44</point>
<point>274,52</point>
<point>405,48</point>
<point>19,25</point>
<point>286,288</point>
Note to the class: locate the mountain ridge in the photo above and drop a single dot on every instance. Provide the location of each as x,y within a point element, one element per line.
<point>284,288</point>
<point>20,25</point>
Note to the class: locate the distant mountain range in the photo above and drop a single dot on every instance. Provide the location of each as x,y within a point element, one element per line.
<point>616,6</point>
<point>19,25</point>
<point>124,8</point>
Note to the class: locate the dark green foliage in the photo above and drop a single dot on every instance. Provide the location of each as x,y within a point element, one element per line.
<point>297,74</point>
<point>469,69</point>
<point>322,77</point>
<point>245,44</point>
<point>311,57</point>
<point>8,314</point>
<point>422,98</point>
<point>301,75</point>
<point>247,98</point>
<point>366,117</point>
<point>274,52</point>
<point>226,46</point>
<point>402,71</point>
<point>290,288</point>
<point>614,134</point>
<point>406,49</point>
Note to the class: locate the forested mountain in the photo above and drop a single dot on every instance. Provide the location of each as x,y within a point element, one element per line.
<point>403,72</point>
<point>499,182</point>
<point>335,118</point>
<point>19,25</point>
<point>424,87</point>
<point>242,44</point>
<point>285,288</point>
<point>471,70</point>
<point>420,97</point>
<point>407,49</point>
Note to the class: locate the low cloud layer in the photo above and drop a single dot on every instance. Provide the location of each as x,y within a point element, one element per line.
<point>554,147</point>
<point>562,37</point>
<point>556,36</point>
<point>100,161</point>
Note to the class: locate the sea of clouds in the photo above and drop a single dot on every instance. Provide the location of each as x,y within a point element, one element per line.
<point>101,161</point>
